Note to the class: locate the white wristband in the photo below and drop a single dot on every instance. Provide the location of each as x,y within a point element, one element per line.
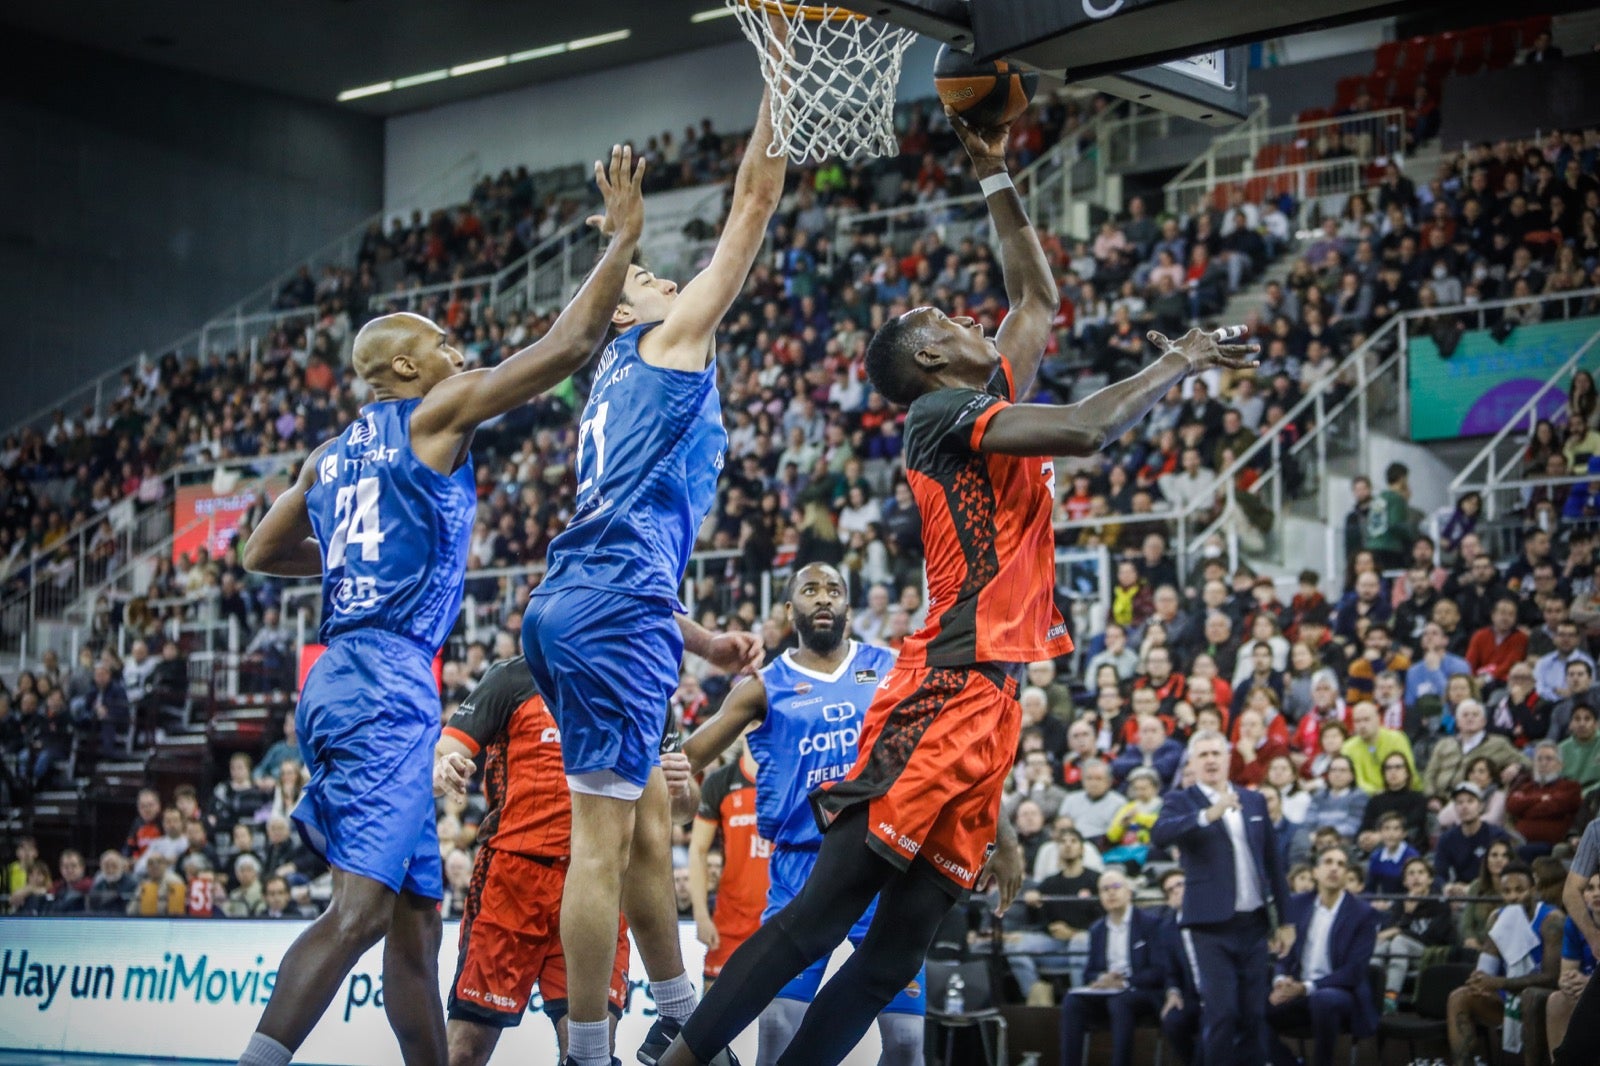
<point>994,183</point>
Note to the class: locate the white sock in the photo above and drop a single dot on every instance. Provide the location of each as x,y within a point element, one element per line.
<point>588,1043</point>
<point>675,999</point>
<point>265,1051</point>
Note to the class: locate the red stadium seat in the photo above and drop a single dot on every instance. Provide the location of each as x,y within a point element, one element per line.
<point>1474,42</point>
<point>1502,48</point>
<point>1405,87</point>
<point>1445,46</point>
<point>1529,28</point>
<point>1257,190</point>
<point>1345,91</point>
<point>1377,84</point>
<point>1413,54</point>
<point>1269,156</point>
<point>1388,55</point>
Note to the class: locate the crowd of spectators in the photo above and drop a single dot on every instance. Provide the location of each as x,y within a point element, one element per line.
<point>1414,711</point>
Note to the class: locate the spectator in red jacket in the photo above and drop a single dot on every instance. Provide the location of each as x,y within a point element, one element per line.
<point>1500,645</point>
<point>1542,804</point>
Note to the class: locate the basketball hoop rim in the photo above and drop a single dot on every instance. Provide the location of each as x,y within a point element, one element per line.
<point>807,12</point>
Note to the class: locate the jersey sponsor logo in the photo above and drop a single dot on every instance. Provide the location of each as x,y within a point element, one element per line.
<point>354,594</point>
<point>505,1002</point>
<point>328,469</point>
<point>866,677</point>
<point>364,431</point>
<point>952,866</point>
<point>550,736</point>
<point>739,821</point>
<point>832,740</point>
<point>802,688</point>
<point>838,712</point>
<point>905,843</point>
<point>826,774</point>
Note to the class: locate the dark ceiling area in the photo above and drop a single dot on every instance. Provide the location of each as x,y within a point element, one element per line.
<point>316,49</point>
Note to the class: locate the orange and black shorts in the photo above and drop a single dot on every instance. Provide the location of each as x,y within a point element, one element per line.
<point>727,943</point>
<point>511,941</point>
<point>936,746</point>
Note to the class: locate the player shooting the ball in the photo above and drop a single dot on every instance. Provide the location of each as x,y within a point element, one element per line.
<point>916,819</point>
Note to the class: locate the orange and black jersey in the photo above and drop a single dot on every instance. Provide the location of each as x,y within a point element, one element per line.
<point>728,800</point>
<point>524,783</point>
<point>986,532</point>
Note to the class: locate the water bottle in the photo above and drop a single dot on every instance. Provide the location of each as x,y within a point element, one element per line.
<point>955,995</point>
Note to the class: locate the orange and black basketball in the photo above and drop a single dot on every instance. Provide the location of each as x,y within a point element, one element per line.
<point>984,94</point>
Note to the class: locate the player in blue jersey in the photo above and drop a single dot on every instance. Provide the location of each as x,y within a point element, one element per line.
<point>383,514</point>
<point>605,632</point>
<point>801,718</point>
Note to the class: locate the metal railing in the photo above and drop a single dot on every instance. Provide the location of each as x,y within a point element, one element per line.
<point>1233,156</point>
<point>534,280</point>
<point>1304,181</point>
<point>60,578</point>
<point>1509,506</point>
<point>1493,456</point>
<point>1048,186</point>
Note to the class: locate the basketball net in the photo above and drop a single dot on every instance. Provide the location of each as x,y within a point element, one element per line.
<point>832,82</point>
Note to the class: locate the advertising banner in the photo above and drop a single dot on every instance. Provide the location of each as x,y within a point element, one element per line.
<point>217,512</point>
<point>1474,391</point>
<point>192,988</point>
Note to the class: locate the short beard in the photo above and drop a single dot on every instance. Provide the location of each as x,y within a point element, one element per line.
<point>820,641</point>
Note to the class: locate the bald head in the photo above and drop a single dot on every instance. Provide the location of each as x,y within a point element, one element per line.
<point>397,348</point>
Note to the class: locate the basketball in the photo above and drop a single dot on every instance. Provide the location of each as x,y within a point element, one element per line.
<point>985,94</point>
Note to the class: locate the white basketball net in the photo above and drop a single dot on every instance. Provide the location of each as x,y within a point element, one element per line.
<point>833,84</point>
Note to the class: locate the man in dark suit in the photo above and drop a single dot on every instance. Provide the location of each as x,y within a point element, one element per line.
<point>1323,979</point>
<point>1180,1012</point>
<point>1234,902</point>
<point>1125,972</point>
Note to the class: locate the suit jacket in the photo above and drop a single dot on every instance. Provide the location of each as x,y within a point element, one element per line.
<point>1175,960</point>
<point>1144,951</point>
<point>1206,854</point>
<point>1351,943</point>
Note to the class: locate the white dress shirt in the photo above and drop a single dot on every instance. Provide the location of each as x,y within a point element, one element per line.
<point>1118,946</point>
<point>1247,895</point>
<point>1314,961</point>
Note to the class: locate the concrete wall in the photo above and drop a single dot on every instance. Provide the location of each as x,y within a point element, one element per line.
<point>136,202</point>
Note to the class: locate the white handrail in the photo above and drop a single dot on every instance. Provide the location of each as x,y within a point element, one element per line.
<point>1244,140</point>
<point>1529,409</point>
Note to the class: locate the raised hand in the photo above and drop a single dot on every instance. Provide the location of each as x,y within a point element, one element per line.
<point>985,146</point>
<point>622,187</point>
<point>1205,349</point>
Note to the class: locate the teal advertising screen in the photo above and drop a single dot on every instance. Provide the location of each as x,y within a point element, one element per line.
<point>1484,383</point>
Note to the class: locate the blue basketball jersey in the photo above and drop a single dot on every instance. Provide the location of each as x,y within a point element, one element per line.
<point>394,532</point>
<point>650,447</point>
<point>810,736</point>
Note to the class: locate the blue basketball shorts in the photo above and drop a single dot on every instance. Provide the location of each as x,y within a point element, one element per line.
<point>368,721</point>
<point>606,664</point>
<point>787,871</point>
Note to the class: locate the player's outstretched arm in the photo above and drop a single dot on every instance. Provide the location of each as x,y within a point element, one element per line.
<point>1030,286</point>
<point>1085,427</point>
<point>683,340</point>
<point>457,405</point>
<point>284,544</point>
<point>744,707</point>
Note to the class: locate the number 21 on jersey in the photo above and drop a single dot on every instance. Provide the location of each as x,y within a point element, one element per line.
<point>593,429</point>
